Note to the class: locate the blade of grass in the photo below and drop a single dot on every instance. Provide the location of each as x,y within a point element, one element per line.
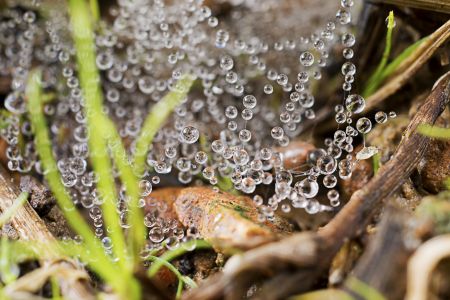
<point>104,267</point>
<point>137,232</point>
<point>89,78</point>
<point>7,276</point>
<point>13,208</point>
<point>434,132</point>
<point>392,66</point>
<point>376,163</point>
<point>95,10</point>
<point>375,80</point>
<point>362,289</point>
<point>56,295</point>
<point>181,279</point>
<point>177,252</point>
<point>156,118</point>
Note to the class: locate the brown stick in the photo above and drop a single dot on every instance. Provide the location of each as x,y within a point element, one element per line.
<point>314,251</point>
<point>383,265</point>
<point>31,228</point>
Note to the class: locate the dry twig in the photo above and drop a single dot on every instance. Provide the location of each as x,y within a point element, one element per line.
<point>31,228</point>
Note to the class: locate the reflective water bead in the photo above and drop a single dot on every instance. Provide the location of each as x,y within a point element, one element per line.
<point>189,134</point>
<point>217,146</point>
<point>343,16</point>
<point>241,157</point>
<point>348,68</point>
<point>392,115</point>
<point>249,101</point>
<point>208,172</point>
<point>307,187</point>
<point>245,135</point>
<point>145,187</point>
<point>277,132</point>
<point>226,63</point>
<point>381,117</point>
<point>348,40</point>
<point>68,179</point>
<point>155,179</point>
<point>329,181</point>
<point>231,112</point>
<point>333,195</point>
<point>156,235</point>
<point>268,89</point>
<point>355,103</point>
<point>247,114</point>
<point>363,125</point>
<point>327,164</point>
<point>347,53</point>
<point>306,59</point>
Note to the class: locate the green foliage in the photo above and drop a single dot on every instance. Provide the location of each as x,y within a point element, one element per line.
<point>434,132</point>
<point>156,118</point>
<point>392,66</point>
<point>362,289</point>
<point>6,265</point>
<point>56,295</point>
<point>90,83</point>
<point>182,249</point>
<point>181,279</point>
<point>4,218</point>
<point>325,294</point>
<point>376,163</point>
<point>376,79</point>
<point>102,265</point>
<point>95,10</point>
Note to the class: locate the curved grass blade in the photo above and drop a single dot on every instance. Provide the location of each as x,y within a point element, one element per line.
<point>156,118</point>
<point>104,267</point>
<point>4,218</point>
<point>89,79</point>
<point>434,132</point>
<point>376,78</point>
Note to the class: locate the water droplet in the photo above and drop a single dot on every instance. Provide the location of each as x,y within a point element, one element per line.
<point>189,134</point>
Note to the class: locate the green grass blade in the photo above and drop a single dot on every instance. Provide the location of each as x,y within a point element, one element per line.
<point>4,218</point>
<point>56,295</point>
<point>392,66</point>
<point>95,10</point>
<point>181,279</point>
<point>137,231</point>
<point>156,118</point>
<point>180,250</point>
<point>89,78</point>
<point>376,163</point>
<point>7,276</point>
<point>375,80</point>
<point>434,132</point>
<point>53,177</point>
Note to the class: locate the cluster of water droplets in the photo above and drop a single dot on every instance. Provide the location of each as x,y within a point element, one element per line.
<point>250,98</point>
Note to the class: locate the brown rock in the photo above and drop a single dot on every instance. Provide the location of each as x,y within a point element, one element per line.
<point>227,221</point>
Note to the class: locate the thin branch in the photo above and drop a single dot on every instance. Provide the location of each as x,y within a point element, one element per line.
<point>30,227</point>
